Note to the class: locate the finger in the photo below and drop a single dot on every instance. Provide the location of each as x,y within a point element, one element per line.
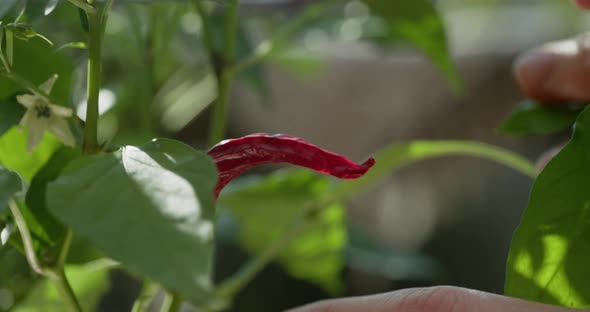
<point>585,4</point>
<point>434,299</point>
<point>556,72</point>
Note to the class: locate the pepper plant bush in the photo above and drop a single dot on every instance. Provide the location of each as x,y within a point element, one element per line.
<point>80,197</point>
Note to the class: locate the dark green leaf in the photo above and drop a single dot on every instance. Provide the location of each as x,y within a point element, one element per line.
<point>548,260</point>
<point>11,113</point>
<point>264,209</point>
<point>36,195</point>
<point>149,207</point>
<point>419,23</point>
<point>14,155</point>
<point>530,117</point>
<point>10,184</point>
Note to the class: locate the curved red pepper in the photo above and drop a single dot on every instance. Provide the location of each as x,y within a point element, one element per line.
<point>233,157</point>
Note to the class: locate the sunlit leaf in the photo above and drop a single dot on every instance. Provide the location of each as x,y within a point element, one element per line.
<point>548,260</point>
<point>148,207</point>
<point>14,155</point>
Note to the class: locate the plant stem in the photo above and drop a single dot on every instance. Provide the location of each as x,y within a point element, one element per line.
<point>10,47</point>
<point>229,288</point>
<point>27,239</point>
<point>57,275</point>
<point>90,145</point>
<point>171,303</point>
<point>67,293</point>
<point>219,115</point>
<point>83,5</point>
<point>146,296</point>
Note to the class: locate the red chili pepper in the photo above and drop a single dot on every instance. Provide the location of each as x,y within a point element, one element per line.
<point>233,157</point>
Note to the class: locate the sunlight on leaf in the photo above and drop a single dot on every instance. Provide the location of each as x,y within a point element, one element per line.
<point>549,251</point>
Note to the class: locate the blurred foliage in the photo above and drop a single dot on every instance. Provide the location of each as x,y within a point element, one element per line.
<point>530,118</point>
<point>265,208</point>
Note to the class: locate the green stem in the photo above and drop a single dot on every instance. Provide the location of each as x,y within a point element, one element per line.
<point>219,115</point>
<point>55,275</point>
<point>146,296</point>
<point>83,5</point>
<point>10,47</point>
<point>228,289</point>
<point>95,35</point>
<point>207,32</point>
<point>65,289</point>
<point>171,303</point>
<point>27,239</point>
<point>65,249</point>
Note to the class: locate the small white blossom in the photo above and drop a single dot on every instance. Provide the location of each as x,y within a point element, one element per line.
<point>42,115</point>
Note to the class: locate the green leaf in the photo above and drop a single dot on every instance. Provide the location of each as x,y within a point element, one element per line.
<point>36,195</point>
<point>11,113</point>
<point>530,117</point>
<point>266,207</point>
<point>10,184</point>
<point>548,260</point>
<point>149,207</point>
<point>419,23</point>
<point>14,155</point>
<point>89,284</point>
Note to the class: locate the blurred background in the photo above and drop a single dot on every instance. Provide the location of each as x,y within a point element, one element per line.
<point>340,85</point>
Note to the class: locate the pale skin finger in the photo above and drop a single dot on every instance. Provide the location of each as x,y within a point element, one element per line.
<point>433,299</point>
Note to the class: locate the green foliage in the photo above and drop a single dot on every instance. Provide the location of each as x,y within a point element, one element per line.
<point>36,195</point>
<point>14,155</point>
<point>16,277</point>
<point>419,23</point>
<point>549,254</point>
<point>11,113</point>
<point>265,208</point>
<point>530,117</point>
<point>149,207</point>
<point>10,184</point>
<point>89,284</point>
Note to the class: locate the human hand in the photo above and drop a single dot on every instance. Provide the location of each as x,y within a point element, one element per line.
<point>433,299</point>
